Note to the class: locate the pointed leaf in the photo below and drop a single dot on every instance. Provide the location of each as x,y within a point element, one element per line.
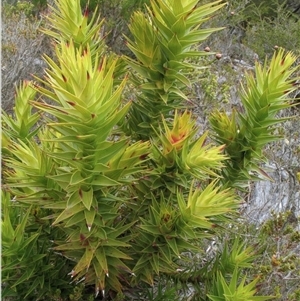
<point>89,217</point>
<point>86,197</point>
<point>84,262</point>
<point>68,212</point>
<point>101,258</point>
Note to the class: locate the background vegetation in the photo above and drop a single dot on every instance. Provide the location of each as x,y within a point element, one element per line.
<point>252,31</point>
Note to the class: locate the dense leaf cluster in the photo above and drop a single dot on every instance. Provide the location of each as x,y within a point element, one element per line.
<point>115,194</point>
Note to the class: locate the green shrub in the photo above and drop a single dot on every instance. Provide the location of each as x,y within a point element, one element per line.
<point>273,33</point>
<point>19,7</point>
<point>263,25</point>
<point>114,194</point>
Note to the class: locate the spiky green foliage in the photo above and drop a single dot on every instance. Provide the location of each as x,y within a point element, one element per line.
<point>91,160</point>
<point>22,125</point>
<point>170,30</point>
<point>120,210</point>
<point>245,133</point>
<point>27,261</point>
<point>178,153</point>
<point>68,23</point>
<point>234,291</point>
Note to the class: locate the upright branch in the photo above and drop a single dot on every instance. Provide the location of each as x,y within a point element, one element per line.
<point>170,31</point>
<point>246,133</point>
